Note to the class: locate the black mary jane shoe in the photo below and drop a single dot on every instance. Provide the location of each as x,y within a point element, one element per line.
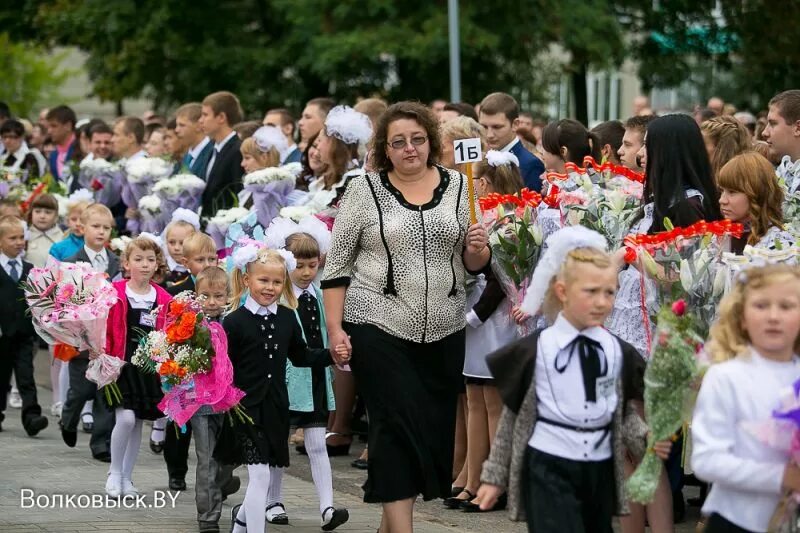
<point>177,483</point>
<point>454,502</point>
<point>280,519</point>
<point>234,520</point>
<point>500,504</point>
<point>156,447</point>
<point>338,517</point>
<point>455,491</point>
<point>361,464</point>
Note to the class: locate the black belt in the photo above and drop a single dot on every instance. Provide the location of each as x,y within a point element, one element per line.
<point>605,429</point>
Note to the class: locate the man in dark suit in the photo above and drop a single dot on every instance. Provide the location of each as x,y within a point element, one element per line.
<point>199,146</point>
<point>64,160</point>
<point>220,111</point>
<point>16,328</point>
<point>81,389</point>
<point>499,115</point>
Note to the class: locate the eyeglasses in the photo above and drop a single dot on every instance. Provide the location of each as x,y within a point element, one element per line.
<point>399,144</point>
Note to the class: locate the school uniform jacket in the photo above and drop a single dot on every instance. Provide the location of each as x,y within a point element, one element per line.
<point>513,370</point>
<point>117,325</point>
<point>112,269</point>
<point>14,319</point>
<point>224,180</point>
<point>186,284</point>
<point>259,368</point>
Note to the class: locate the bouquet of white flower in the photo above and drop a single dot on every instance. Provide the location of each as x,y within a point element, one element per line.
<point>218,225</point>
<point>270,188</point>
<point>104,179</point>
<point>181,190</point>
<point>154,216</point>
<point>296,212</point>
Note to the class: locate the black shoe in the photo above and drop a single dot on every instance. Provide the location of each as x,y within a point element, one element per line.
<point>455,491</point>
<point>361,464</point>
<point>281,519</point>
<point>678,507</point>
<point>338,517</point>
<point>500,504</point>
<point>35,424</point>
<point>301,449</point>
<point>339,449</point>
<point>69,437</point>
<point>454,502</point>
<point>177,483</point>
<point>234,520</point>
<point>156,447</point>
<point>231,487</point>
<point>103,457</point>
<point>87,426</point>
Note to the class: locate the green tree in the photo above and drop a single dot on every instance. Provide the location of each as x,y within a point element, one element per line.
<point>30,75</point>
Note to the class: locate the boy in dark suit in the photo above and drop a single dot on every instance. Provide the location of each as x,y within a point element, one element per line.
<point>500,117</point>
<point>97,222</point>
<point>199,146</point>
<point>16,328</point>
<point>220,112</point>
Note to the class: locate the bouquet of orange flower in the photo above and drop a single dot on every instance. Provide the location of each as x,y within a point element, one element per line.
<point>190,355</point>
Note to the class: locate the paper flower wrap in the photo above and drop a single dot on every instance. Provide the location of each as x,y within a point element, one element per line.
<point>69,304</point>
<point>670,385</point>
<point>104,179</point>
<point>219,224</point>
<point>190,355</point>
<point>181,190</point>
<point>270,189</point>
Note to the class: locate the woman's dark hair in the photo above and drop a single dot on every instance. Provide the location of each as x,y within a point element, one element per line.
<point>342,154</point>
<point>573,136</point>
<point>410,110</point>
<point>302,180</point>
<point>676,162</point>
<point>14,127</point>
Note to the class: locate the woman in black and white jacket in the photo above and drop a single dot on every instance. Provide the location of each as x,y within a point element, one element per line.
<point>394,282</point>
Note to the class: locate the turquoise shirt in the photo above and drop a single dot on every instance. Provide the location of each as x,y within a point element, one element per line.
<point>63,250</point>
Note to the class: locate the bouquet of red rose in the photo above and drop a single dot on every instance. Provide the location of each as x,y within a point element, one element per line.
<point>190,354</point>
<point>515,238</point>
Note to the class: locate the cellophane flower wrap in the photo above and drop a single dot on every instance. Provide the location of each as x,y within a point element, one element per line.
<point>69,304</point>
<point>218,225</point>
<point>104,179</point>
<point>141,174</point>
<point>190,356</point>
<point>516,241</point>
<point>11,183</point>
<point>246,228</point>
<point>782,432</point>
<point>270,189</point>
<point>671,381</point>
<point>181,190</point>
<point>685,263</point>
<point>154,217</point>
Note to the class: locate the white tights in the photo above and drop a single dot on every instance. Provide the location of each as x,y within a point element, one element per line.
<point>126,437</point>
<point>255,500</point>
<point>314,439</point>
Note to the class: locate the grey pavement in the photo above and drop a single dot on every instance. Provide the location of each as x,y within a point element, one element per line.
<point>43,470</point>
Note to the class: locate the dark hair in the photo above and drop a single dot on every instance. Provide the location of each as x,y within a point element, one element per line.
<point>13,126</point>
<point>42,201</point>
<point>301,183</point>
<point>676,162</point>
<point>706,114</point>
<point>462,108</point>
<point>788,104</point>
<point>286,115</point>
<point>341,156</point>
<point>504,179</point>
<point>303,246</point>
<point>410,110</point>
<point>639,123</point>
<point>5,111</point>
<point>324,104</point>
<point>132,126</point>
<point>500,103</point>
<point>610,132</point>
<point>225,102</point>
<point>573,136</point>
<point>172,124</point>
<point>149,129</point>
<point>100,127</point>
<point>62,114</point>
<point>85,130</point>
<point>245,130</point>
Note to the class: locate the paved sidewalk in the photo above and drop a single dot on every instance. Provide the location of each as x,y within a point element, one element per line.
<point>47,467</point>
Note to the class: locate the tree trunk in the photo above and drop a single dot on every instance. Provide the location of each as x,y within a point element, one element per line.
<point>579,92</point>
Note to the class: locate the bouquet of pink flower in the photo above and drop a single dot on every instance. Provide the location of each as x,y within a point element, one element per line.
<point>69,303</point>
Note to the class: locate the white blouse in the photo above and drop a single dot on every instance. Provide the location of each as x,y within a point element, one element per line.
<point>745,474</point>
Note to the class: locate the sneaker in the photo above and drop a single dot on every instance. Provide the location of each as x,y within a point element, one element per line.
<point>114,485</point>
<point>14,399</point>
<point>56,408</point>
<point>128,489</point>
<point>333,518</point>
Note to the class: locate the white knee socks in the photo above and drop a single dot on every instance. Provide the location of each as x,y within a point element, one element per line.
<point>63,382</point>
<point>255,500</point>
<point>320,466</point>
<point>125,440</point>
<point>55,369</point>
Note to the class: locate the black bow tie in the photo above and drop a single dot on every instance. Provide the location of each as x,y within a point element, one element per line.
<point>589,351</point>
